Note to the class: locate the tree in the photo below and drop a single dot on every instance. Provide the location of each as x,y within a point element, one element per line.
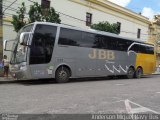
<point>18,20</point>
<point>106,26</point>
<point>35,13</point>
<point>52,16</point>
<point>38,13</point>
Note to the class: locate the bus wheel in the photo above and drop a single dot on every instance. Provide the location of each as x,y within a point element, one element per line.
<point>62,75</point>
<point>138,73</point>
<point>130,73</point>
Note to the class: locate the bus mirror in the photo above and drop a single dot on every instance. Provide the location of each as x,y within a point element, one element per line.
<point>24,37</point>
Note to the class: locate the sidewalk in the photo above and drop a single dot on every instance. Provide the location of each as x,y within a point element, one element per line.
<point>157,72</point>
<point>6,79</point>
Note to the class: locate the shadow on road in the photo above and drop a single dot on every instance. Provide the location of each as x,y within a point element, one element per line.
<point>75,80</point>
<point>28,82</point>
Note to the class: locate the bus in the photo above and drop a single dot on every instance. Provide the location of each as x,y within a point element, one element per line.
<point>60,52</point>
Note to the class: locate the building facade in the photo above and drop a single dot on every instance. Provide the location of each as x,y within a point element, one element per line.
<point>83,13</point>
<point>131,24</point>
<point>155,36</point>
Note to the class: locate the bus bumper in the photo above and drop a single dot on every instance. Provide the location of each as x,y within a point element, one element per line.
<point>19,74</point>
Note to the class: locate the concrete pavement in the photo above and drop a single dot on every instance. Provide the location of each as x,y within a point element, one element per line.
<point>80,96</point>
<point>4,79</point>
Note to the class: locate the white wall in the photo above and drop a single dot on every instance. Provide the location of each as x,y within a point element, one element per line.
<point>14,7</point>
<point>8,34</point>
<point>129,25</point>
<point>8,31</point>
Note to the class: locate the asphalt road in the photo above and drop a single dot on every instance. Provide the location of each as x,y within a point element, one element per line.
<point>81,96</point>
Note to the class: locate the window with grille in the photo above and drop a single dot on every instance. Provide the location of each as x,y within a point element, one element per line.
<point>119,27</point>
<point>45,4</point>
<point>88,19</point>
<point>139,33</point>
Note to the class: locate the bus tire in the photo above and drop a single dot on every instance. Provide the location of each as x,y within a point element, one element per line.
<point>139,72</point>
<point>62,75</point>
<point>130,73</point>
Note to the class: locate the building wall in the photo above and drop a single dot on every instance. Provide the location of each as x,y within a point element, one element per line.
<point>8,31</point>
<point>78,9</point>
<point>9,11</point>
<point>8,34</point>
<point>154,38</point>
<point>73,12</point>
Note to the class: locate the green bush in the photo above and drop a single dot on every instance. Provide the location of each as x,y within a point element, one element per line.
<point>106,26</point>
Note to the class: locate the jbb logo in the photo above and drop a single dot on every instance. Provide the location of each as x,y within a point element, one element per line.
<point>102,54</point>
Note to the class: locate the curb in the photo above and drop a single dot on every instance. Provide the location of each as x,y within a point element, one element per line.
<point>155,73</point>
<point>6,79</point>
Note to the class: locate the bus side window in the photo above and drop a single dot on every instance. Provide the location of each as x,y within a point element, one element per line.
<point>87,40</point>
<point>100,42</point>
<point>69,37</point>
<point>42,44</point>
<point>142,49</point>
<point>149,50</point>
<point>122,44</point>
<point>135,48</point>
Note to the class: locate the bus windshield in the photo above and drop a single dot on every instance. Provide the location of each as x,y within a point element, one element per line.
<point>19,51</point>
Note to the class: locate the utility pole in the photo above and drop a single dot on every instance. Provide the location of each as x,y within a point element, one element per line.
<point>1,37</point>
<point>0,8</point>
<point>1,30</point>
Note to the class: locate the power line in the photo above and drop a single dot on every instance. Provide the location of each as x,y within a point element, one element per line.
<point>71,16</point>
<point>133,32</point>
<point>14,9</point>
<point>10,8</point>
<point>63,13</point>
<point>10,14</point>
<point>14,3</point>
<point>11,2</point>
<point>10,5</point>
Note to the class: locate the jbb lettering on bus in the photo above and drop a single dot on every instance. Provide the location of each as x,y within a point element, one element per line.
<point>102,54</point>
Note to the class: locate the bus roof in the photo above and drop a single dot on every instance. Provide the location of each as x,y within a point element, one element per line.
<point>92,31</point>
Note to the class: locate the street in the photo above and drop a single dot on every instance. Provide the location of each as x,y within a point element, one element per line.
<point>81,96</point>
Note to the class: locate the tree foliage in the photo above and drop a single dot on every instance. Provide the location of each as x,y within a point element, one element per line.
<point>106,26</point>
<point>52,16</point>
<point>18,20</point>
<point>36,13</point>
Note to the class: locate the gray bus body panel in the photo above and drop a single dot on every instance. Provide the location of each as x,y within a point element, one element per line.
<point>77,58</point>
<point>79,61</point>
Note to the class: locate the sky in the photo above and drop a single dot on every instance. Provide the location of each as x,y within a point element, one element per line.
<point>147,8</point>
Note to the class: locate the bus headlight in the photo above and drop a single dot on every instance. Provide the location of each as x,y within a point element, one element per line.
<point>14,67</point>
<point>23,67</point>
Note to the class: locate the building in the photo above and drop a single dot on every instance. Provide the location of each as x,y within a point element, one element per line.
<point>93,11</point>
<point>83,13</point>
<point>155,36</point>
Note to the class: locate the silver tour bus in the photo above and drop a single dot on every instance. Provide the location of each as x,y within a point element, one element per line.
<point>47,50</point>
